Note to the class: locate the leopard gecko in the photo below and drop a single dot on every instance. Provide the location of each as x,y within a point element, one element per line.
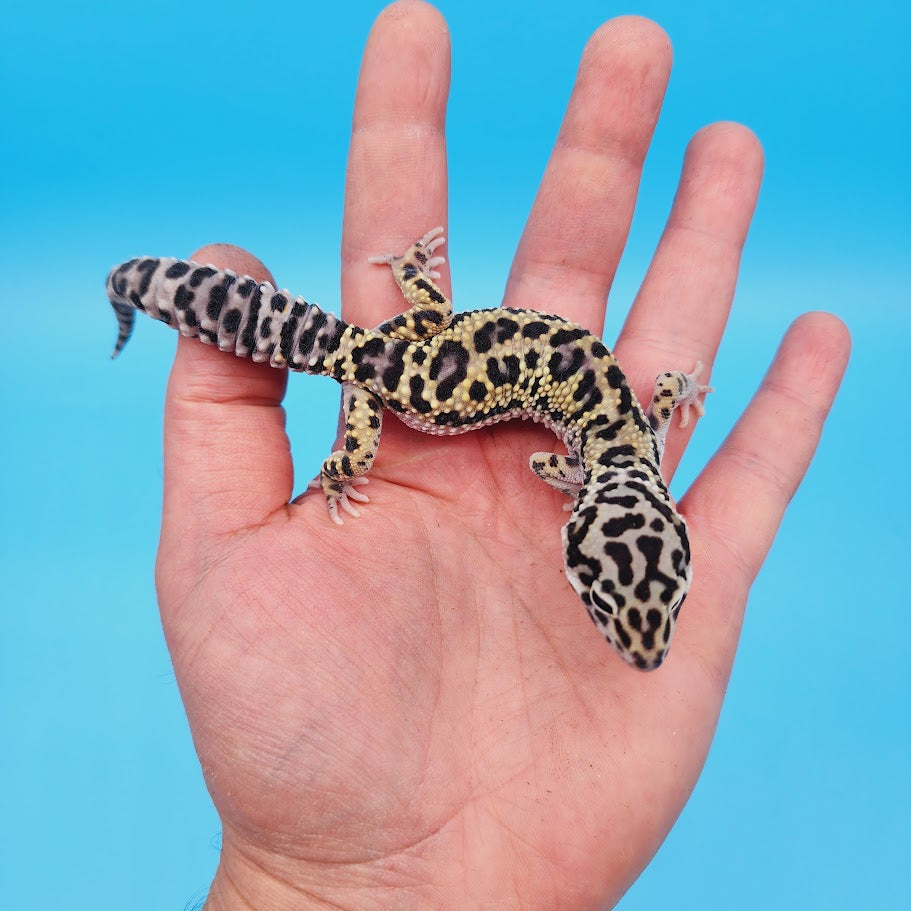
<point>626,548</point>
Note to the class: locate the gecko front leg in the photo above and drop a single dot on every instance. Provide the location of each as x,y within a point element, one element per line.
<point>562,472</point>
<point>415,273</point>
<point>675,390</point>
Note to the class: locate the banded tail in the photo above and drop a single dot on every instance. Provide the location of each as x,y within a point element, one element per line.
<point>236,313</point>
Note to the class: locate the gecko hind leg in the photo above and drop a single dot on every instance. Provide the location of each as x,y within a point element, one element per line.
<point>414,272</point>
<point>344,470</point>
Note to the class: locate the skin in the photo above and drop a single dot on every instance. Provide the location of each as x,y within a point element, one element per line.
<point>414,711</point>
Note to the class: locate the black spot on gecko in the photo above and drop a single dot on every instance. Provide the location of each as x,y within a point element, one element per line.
<point>183,297</point>
<point>278,302</point>
<point>477,391</point>
<point>417,402</point>
<point>566,336</point>
<point>606,497</point>
<point>623,559</point>
<point>364,372</point>
<point>585,385</point>
<point>509,374</point>
<point>595,397</point>
<point>483,337</point>
<point>432,292</point>
<point>622,634</point>
<point>200,274</point>
<point>445,388</point>
<point>336,338</point>
<point>534,329</point>
<point>146,269</point>
<point>373,347</point>
<point>231,321</point>
<point>651,548</point>
<point>428,316</point>
<point>506,329</point>
<point>245,288</point>
<point>610,432</point>
<point>217,297</point>
<point>392,375</point>
<point>561,371</point>
<point>308,337</point>
<point>598,614</point>
<point>619,525</point>
<point>178,270</point>
<point>286,337</point>
<point>248,333</point>
<point>609,456</point>
<point>626,400</point>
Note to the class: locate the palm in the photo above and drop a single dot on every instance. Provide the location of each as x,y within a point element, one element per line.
<point>419,700</point>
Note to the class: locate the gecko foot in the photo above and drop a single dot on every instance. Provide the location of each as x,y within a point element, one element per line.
<point>691,393</point>
<point>421,251</point>
<point>340,493</point>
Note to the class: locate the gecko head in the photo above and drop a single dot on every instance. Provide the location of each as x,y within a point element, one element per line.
<point>627,556</point>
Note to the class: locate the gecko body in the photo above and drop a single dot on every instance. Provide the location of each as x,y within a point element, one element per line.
<point>625,546</point>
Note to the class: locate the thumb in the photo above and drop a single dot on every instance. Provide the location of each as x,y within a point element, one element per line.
<point>227,461</point>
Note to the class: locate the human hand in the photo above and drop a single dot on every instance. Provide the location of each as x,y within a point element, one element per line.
<point>415,710</point>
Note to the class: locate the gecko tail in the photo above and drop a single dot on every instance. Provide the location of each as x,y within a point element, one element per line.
<point>234,312</point>
<point>124,309</point>
<point>126,317</point>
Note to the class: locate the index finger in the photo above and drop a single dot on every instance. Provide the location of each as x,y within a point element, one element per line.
<point>396,186</point>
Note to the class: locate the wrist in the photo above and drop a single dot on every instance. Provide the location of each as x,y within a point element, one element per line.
<point>255,891</point>
<point>247,880</point>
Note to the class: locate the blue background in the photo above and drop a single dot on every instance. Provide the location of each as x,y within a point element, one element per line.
<point>120,135</point>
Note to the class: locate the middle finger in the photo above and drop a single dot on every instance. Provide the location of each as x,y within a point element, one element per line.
<point>581,216</point>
